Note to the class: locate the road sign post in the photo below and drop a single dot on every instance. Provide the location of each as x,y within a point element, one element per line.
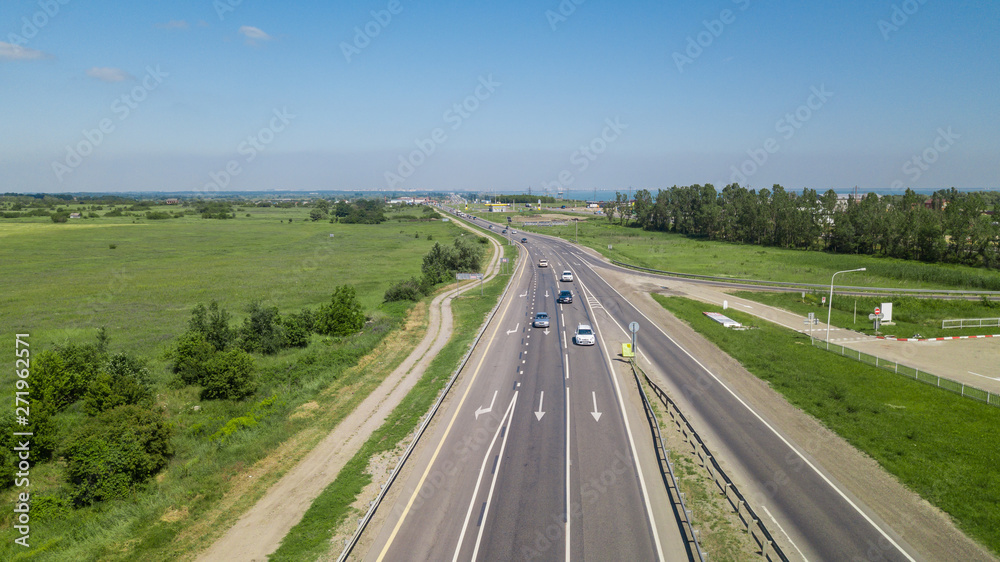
<point>633,327</point>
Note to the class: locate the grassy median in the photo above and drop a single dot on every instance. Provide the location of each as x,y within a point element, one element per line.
<point>940,445</point>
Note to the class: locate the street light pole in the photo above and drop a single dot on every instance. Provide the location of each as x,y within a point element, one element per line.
<point>829,302</point>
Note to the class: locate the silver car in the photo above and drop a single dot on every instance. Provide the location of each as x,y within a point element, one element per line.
<point>566,276</point>
<point>541,320</point>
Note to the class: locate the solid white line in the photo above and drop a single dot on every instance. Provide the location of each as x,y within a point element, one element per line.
<point>482,468</point>
<point>496,473</point>
<point>984,376</point>
<point>768,511</point>
<point>767,425</point>
<point>566,365</point>
<point>567,511</point>
<point>628,433</point>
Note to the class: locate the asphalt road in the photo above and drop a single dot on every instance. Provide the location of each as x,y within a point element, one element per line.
<point>820,520</point>
<point>535,454</point>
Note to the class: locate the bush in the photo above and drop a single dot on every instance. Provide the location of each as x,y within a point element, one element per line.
<point>297,330</point>
<point>405,290</point>
<point>191,357</point>
<point>110,455</point>
<point>343,315</point>
<point>262,330</point>
<point>212,323</point>
<point>157,215</point>
<point>125,381</point>
<point>229,376</point>
<point>59,217</point>
<point>61,377</point>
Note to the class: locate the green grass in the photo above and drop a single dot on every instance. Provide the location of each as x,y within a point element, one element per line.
<point>910,315</point>
<point>677,253</point>
<point>940,445</point>
<point>61,281</point>
<point>310,538</point>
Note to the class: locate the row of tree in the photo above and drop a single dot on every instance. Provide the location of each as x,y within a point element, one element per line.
<point>440,265</point>
<point>950,226</point>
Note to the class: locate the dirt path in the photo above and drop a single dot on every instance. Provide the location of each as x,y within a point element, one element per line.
<point>260,530</point>
<point>926,528</point>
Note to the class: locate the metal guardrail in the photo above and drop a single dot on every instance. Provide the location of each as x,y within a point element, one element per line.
<point>353,541</point>
<point>971,323</point>
<point>677,498</point>
<point>791,284</point>
<point>913,373</point>
<point>769,549</point>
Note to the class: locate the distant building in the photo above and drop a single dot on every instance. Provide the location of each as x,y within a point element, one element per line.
<point>173,201</point>
<point>74,215</point>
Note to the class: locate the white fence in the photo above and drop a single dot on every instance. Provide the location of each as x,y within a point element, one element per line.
<point>971,323</point>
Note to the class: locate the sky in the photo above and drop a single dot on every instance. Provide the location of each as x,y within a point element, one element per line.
<point>554,95</point>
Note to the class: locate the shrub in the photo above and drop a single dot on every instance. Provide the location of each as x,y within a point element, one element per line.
<point>212,323</point>
<point>61,377</point>
<point>262,330</point>
<point>229,375</point>
<point>126,381</point>
<point>110,455</point>
<point>342,315</point>
<point>59,217</point>
<point>297,330</point>
<point>191,357</point>
<point>405,290</point>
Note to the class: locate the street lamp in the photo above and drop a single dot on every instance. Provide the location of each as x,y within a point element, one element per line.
<point>829,303</point>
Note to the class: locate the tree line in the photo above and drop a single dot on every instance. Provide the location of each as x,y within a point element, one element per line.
<point>950,226</point>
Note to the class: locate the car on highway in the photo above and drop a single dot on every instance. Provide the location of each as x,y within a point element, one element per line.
<point>565,296</point>
<point>541,320</point>
<point>543,262</point>
<point>524,240</point>
<point>566,276</point>
<point>584,335</point>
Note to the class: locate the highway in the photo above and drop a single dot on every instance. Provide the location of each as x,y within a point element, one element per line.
<point>535,430</point>
<point>819,518</point>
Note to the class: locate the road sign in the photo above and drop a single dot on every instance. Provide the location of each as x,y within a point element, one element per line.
<point>633,327</point>
<point>503,260</point>
<point>823,301</point>
<point>878,310</point>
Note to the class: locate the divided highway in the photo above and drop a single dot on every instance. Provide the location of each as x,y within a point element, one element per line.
<point>533,454</point>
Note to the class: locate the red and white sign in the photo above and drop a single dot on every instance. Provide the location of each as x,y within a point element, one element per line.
<point>878,310</point>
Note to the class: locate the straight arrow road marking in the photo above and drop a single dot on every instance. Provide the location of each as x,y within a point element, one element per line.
<point>509,332</point>
<point>595,413</point>
<point>490,409</point>
<point>540,412</point>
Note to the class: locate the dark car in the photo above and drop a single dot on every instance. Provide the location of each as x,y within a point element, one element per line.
<point>523,240</point>
<point>565,296</point>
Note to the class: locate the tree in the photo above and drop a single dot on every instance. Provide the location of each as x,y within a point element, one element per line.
<point>262,330</point>
<point>124,381</point>
<point>230,375</point>
<point>111,454</point>
<point>213,324</point>
<point>317,215</point>
<point>343,315</point>
<point>192,356</point>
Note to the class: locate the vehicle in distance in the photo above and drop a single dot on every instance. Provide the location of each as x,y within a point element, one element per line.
<point>565,296</point>
<point>541,320</point>
<point>566,276</point>
<point>523,240</point>
<point>584,335</point>
<point>543,262</point>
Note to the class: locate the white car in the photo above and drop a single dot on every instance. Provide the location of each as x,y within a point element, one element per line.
<point>566,276</point>
<point>543,262</point>
<point>584,335</point>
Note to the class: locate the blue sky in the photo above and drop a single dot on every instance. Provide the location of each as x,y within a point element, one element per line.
<point>226,94</point>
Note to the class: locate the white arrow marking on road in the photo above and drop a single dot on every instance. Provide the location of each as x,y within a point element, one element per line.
<point>490,409</point>
<point>595,413</point>
<point>541,400</point>
<point>525,294</point>
<point>546,332</point>
<point>509,332</point>
<point>546,293</point>
<point>746,305</point>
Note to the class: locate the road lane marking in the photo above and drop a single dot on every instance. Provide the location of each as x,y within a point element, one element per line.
<point>482,469</point>
<point>767,425</point>
<point>447,431</point>
<point>541,401</point>
<point>595,413</point>
<point>566,360</point>
<point>984,376</point>
<point>768,511</point>
<point>489,497</point>
<point>490,409</point>
<point>567,511</point>
<point>628,433</point>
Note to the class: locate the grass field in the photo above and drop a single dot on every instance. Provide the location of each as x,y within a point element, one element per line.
<point>62,281</point>
<point>911,316</point>
<point>674,252</point>
<point>940,445</point>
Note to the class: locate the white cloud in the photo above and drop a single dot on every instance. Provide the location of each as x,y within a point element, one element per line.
<point>173,24</point>
<point>254,34</point>
<point>9,51</point>
<point>107,74</point>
